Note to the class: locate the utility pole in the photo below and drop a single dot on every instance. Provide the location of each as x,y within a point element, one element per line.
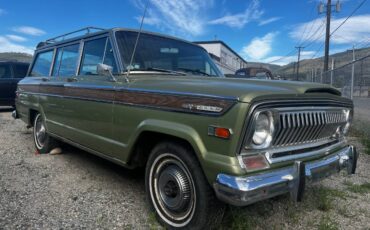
<point>327,34</point>
<point>353,70</point>
<point>299,57</point>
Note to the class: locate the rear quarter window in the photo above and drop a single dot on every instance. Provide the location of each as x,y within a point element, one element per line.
<point>42,64</point>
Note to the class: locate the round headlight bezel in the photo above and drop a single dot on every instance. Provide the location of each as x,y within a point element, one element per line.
<point>261,130</point>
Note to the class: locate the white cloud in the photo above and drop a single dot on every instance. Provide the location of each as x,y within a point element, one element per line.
<point>184,17</point>
<point>7,46</point>
<point>149,21</point>
<point>252,12</point>
<point>29,30</point>
<point>268,21</point>
<point>16,38</point>
<point>355,29</point>
<point>2,12</point>
<point>259,47</point>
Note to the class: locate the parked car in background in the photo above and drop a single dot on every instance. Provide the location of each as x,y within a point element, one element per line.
<point>11,72</point>
<point>204,140</point>
<point>253,73</point>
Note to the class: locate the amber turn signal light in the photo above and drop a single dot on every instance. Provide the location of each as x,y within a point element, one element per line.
<point>255,162</point>
<point>224,133</point>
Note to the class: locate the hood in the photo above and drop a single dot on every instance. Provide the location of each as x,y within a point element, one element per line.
<point>245,90</point>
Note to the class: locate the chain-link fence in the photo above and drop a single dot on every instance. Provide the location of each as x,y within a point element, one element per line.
<point>353,79</point>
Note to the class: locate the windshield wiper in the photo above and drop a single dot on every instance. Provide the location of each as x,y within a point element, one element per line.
<point>159,70</point>
<point>195,71</point>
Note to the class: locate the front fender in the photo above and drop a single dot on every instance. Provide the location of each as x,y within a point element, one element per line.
<point>211,163</point>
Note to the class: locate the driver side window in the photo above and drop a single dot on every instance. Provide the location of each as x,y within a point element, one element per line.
<point>95,52</point>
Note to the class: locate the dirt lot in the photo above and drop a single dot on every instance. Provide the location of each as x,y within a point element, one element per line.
<point>76,190</point>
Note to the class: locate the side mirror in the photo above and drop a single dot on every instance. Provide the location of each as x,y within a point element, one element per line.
<point>105,70</point>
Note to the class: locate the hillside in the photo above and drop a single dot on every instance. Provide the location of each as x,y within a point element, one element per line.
<point>22,57</point>
<point>271,67</point>
<point>340,59</point>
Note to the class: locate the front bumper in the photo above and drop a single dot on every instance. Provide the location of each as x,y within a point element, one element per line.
<point>241,191</point>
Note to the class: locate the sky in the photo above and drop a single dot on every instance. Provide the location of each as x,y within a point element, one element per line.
<point>259,30</point>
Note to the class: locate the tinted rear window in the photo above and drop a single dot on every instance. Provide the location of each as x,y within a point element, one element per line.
<point>20,71</point>
<point>5,71</point>
<point>42,64</point>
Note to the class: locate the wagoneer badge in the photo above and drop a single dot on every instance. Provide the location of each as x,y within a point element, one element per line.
<point>207,108</point>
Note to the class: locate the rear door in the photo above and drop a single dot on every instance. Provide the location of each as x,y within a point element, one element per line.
<point>5,84</point>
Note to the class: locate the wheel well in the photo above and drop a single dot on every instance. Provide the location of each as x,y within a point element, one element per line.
<point>147,141</point>
<point>32,116</point>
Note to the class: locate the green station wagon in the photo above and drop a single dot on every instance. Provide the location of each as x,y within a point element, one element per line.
<point>142,99</point>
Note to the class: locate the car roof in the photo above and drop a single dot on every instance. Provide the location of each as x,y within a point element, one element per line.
<point>49,44</point>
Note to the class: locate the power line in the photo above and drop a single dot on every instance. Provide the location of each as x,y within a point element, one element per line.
<point>283,57</point>
<point>349,16</point>
<point>321,26</point>
<point>315,33</point>
<point>340,25</point>
<point>305,28</point>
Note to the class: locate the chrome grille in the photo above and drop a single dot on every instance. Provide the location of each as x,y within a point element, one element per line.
<point>299,127</point>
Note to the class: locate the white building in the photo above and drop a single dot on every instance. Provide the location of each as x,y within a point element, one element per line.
<point>226,58</point>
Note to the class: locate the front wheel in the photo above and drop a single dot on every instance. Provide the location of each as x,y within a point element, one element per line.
<point>43,142</point>
<point>178,191</point>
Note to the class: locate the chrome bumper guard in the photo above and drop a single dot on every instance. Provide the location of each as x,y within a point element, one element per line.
<point>242,191</point>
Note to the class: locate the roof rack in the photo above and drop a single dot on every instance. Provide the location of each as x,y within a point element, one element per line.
<point>62,37</point>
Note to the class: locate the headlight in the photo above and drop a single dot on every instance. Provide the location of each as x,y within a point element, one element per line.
<point>263,129</point>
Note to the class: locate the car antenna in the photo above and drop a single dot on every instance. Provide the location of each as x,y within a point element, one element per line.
<point>137,40</point>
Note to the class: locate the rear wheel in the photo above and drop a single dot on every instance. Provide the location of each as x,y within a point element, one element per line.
<point>43,142</point>
<point>178,191</point>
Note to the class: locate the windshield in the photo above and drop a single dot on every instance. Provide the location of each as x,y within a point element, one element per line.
<point>160,53</point>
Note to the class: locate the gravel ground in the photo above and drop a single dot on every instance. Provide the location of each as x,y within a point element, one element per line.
<point>76,190</point>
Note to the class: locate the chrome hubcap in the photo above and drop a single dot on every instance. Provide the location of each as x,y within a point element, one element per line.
<point>172,190</point>
<point>40,133</point>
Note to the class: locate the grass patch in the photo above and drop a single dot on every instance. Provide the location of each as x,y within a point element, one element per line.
<point>359,188</point>
<point>325,196</point>
<point>343,211</point>
<point>153,223</point>
<point>327,224</point>
<point>236,218</point>
<point>366,143</point>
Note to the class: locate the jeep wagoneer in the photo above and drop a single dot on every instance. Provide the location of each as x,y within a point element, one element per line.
<point>204,140</point>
